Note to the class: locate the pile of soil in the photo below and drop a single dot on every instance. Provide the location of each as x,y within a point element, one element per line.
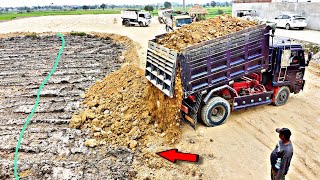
<point>122,110</point>
<point>204,30</point>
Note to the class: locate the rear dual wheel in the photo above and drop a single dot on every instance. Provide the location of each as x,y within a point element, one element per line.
<point>127,23</point>
<point>215,112</point>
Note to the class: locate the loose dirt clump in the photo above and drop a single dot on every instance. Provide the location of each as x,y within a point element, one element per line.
<point>166,111</point>
<point>122,110</point>
<point>202,31</point>
<point>125,110</point>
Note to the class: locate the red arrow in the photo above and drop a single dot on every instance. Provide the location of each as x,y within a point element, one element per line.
<point>173,155</point>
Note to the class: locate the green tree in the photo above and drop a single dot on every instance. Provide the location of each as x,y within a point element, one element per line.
<point>85,7</point>
<point>213,3</point>
<point>103,6</point>
<point>167,5</point>
<point>220,11</point>
<point>148,8</point>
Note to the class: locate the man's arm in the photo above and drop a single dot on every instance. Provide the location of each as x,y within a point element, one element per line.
<point>282,169</point>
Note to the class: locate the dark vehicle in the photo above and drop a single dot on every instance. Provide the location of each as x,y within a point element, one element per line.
<point>233,72</point>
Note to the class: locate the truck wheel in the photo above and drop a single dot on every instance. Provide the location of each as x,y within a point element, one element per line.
<point>301,28</point>
<point>287,26</point>
<point>141,24</point>
<point>127,23</point>
<point>282,96</point>
<point>215,112</point>
<point>167,28</point>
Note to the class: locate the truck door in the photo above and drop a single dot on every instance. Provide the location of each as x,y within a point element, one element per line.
<point>141,17</point>
<point>292,68</point>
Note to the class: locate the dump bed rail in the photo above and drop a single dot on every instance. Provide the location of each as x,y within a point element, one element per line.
<point>211,63</point>
<point>217,62</point>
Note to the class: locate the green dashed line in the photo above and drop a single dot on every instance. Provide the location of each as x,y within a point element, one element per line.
<point>35,107</point>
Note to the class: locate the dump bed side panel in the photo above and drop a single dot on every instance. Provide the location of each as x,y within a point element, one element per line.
<point>217,62</point>
<point>161,67</point>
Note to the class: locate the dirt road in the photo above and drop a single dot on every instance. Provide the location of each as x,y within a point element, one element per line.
<point>305,35</point>
<point>86,23</point>
<point>240,148</point>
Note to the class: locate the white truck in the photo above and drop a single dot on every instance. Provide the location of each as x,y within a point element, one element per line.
<point>162,13</point>
<point>135,17</point>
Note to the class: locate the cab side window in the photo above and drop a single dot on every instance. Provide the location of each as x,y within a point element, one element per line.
<point>294,57</point>
<point>297,57</point>
<point>141,15</point>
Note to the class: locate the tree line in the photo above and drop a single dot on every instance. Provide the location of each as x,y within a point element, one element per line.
<point>103,6</point>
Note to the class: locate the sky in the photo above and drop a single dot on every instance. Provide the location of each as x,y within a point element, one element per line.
<point>16,3</point>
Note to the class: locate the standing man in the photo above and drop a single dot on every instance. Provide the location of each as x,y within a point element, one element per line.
<point>281,156</point>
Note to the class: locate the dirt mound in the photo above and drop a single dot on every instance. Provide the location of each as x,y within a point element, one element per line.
<point>202,31</point>
<point>118,111</point>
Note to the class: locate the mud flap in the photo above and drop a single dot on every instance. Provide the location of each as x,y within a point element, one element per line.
<point>191,117</point>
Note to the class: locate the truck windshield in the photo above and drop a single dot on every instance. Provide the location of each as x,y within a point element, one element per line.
<point>181,22</point>
<point>148,16</point>
<point>145,15</point>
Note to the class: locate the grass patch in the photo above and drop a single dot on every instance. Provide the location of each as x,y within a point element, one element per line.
<point>13,15</point>
<point>73,33</point>
<point>32,35</point>
<point>213,11</point>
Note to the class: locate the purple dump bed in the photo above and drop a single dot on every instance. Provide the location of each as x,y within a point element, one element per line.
<point>211,63</point>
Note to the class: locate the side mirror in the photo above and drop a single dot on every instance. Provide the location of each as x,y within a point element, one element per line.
<point>309,57</point>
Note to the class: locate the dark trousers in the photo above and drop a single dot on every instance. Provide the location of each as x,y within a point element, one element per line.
<point>274,174</point>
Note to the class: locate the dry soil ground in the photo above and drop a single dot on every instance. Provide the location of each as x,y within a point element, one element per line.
<point>240,148</point>
<point>50,150</point>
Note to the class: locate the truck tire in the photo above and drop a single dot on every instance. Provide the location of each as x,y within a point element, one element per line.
<point>215,112</point>
<point>127,23</point>
<point>301,28</point>
<point>282,96</point>
<point>141,24</point>
<point>287,26</point>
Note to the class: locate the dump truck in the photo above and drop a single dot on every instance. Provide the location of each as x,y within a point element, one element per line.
<point>162,13</point>
<point>229,73</point>
<point>174,22</point>
<point>135,17</point>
